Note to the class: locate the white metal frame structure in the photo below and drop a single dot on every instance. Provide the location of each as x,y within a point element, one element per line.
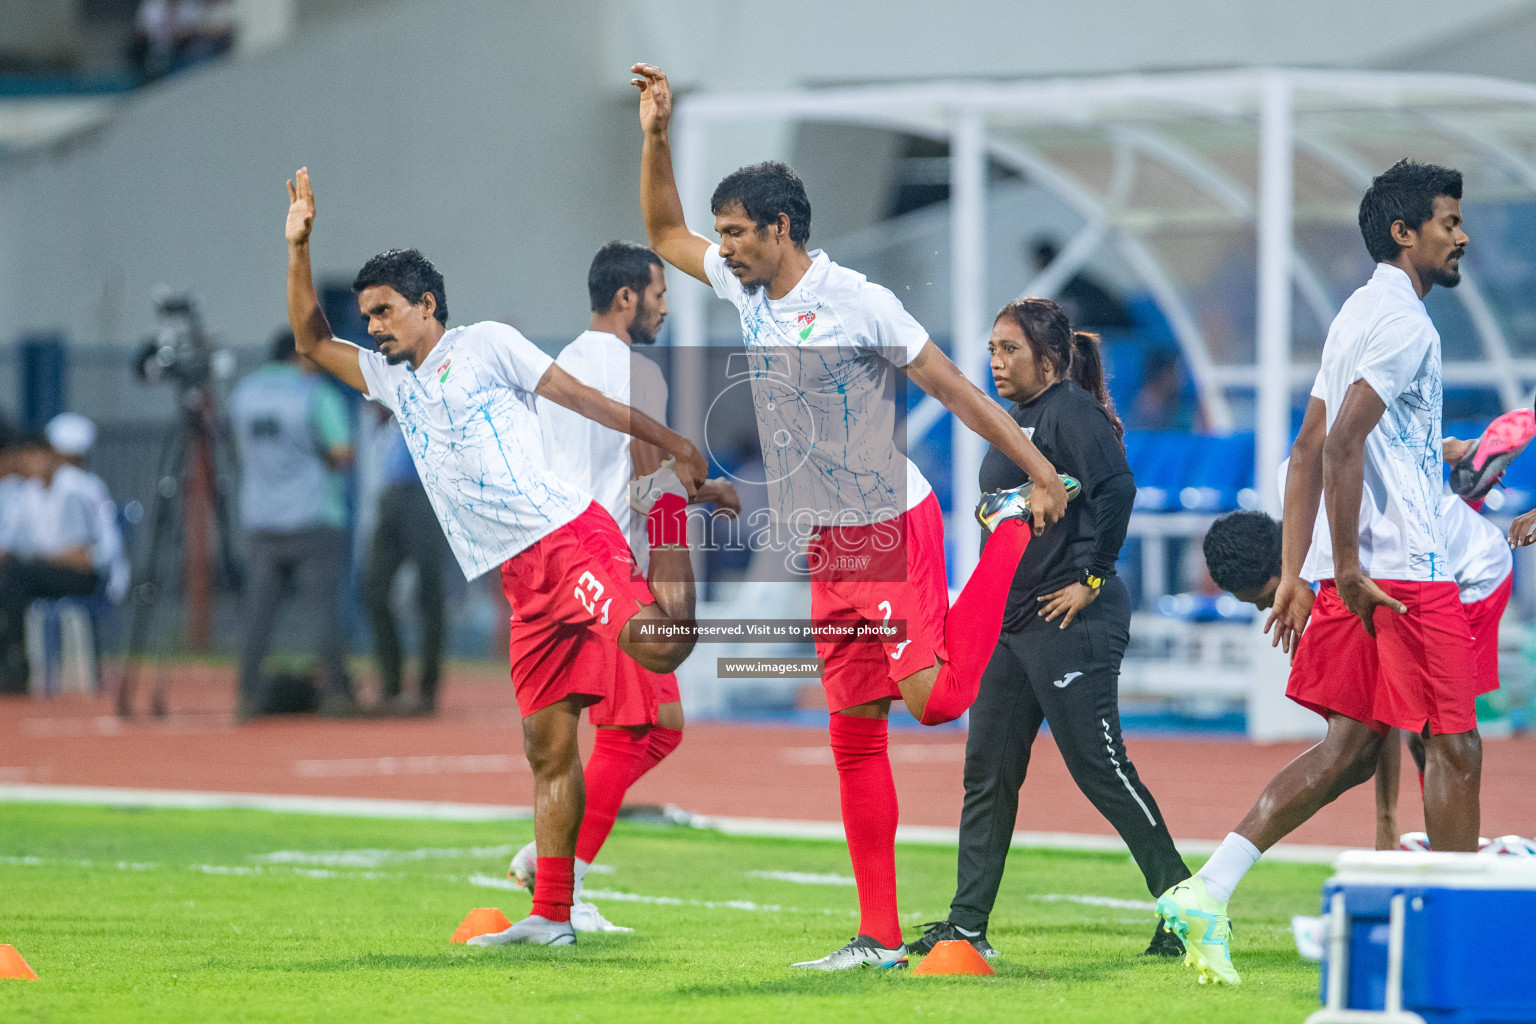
<point>1258,150</point>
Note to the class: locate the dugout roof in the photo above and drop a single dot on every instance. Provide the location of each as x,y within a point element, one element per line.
<point>1233,197</point>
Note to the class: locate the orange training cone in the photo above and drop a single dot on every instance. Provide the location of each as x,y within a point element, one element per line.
<point>481,921</point>
<point>13,966</point>
<point>953,957</point>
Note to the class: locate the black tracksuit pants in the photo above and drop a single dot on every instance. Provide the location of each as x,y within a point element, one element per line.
<point>1069,678</point>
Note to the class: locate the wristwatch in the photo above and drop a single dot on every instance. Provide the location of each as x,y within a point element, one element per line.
<point>1089,580</point>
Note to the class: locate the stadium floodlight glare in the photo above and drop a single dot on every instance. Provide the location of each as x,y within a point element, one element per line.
<point>1275,157</point>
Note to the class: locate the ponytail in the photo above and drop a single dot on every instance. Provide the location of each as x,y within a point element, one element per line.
<point>1088,371</point>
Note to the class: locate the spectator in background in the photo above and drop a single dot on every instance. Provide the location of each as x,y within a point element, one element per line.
<point>72,437</point>
<point>295,446</point>
<point>48,535</point>
<point>407,531</point>
<point>1089,305</point>
<point>1160,403</point>
<point>171,35</point>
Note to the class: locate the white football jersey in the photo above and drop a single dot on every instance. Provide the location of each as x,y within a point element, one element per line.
<point>1383,336</point>
<point>823,364</point>
<point>589,455</point>
<point>468,416</point>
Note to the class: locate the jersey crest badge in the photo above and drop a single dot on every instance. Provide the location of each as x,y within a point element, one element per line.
<point>806,322</point>
<point>442,371</point>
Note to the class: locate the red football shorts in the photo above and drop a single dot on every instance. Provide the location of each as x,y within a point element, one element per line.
<point>883,572</point>
<point>1418,669</point>
<point>638,692</point>
<point>571,594</point>
<point>1483,619</point>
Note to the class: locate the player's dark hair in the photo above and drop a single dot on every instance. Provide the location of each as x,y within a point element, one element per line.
<point>283,347</point>
<point>764,191</point>
<point>1405,192</point>
<point>1242,550</point>
<point>408,272</point>
<point>619,265</point>
<point>1071,355</point>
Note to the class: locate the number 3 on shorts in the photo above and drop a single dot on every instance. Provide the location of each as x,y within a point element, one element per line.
<point>589,591</point>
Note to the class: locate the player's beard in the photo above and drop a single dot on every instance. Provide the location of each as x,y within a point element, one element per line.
<point>395,358</point>
<point>639,331</point>
<point>1447,276</point>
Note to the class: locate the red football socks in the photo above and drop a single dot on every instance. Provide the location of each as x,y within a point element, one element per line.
<point>613,766</point>
<point>618,761</point>
<point>667,523</point>
<point>552,894</point>
<point>972,627</point>
<point>869,818</point>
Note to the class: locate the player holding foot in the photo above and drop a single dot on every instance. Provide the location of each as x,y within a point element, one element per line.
<point>464,399</point>
<point>824,345</point>
<point>1387,643</point>
<point>643,722</point>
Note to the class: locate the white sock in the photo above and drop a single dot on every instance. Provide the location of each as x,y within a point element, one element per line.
<point>1228,865</point>
<point>581,874</point>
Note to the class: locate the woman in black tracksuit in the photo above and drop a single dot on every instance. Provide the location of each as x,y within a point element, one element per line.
<point>1065,629</point>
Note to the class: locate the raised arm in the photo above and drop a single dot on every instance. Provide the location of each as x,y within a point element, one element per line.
<point>935,374</point>
<point>660,204</point>
<point>311,331</point>
<point>563,389</point>
<point>1303,492</point>
<point>1343,485</point>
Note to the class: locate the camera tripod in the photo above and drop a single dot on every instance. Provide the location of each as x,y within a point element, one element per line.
<point>187,488</point>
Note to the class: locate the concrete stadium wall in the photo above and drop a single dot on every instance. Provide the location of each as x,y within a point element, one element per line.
<point>500,138</point>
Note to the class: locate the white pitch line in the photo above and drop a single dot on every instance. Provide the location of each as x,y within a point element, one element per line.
<point>378,858</point>
<point>427,764</point>
<point>491,882</point>
<point>802,878</point>
<point>765,828</point>
<point>1095,901</point>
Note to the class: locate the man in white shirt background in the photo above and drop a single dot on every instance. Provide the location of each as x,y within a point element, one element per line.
<point>51,543</point>
<point>1386,643</point>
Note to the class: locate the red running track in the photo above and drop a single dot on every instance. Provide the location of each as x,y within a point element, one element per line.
<point>472,753</point>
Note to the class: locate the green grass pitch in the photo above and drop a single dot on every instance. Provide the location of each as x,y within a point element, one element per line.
<point>171,916</point>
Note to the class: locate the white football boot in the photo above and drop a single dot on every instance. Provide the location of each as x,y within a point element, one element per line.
<point>861,951</point>
<point>531,931</point>
<point>585,917</point>
<point>644,491</point>
<point>524,865</point>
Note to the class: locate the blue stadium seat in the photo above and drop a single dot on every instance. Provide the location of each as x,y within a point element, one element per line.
<point>1219,469</point>
<point>1161,462</point>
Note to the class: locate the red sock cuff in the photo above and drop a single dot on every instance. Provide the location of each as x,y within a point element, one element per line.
<point>855,738</point>
<point>556,883</point>
<point>660,742</point>
<point>1477,506</point>
<point>667,524</point>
